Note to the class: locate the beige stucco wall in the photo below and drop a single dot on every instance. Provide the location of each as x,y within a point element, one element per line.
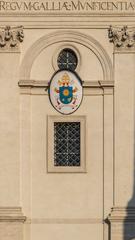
<point>69,199</point>
<point>66,205</point>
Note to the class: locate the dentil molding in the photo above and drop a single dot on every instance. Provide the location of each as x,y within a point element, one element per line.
<point>122,38</point>
<point>11,37</point>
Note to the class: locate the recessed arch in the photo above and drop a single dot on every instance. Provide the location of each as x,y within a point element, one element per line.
<point>68,36</point>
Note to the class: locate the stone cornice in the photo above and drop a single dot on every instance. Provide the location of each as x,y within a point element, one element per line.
<point>11,214</point>
<point>11,37</point>
<point>79,20</point>
<point>123,38</point>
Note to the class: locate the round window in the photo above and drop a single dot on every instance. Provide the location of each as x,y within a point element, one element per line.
<point>67,60</point>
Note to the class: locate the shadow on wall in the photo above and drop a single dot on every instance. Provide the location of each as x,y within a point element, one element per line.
<point>129,221</point>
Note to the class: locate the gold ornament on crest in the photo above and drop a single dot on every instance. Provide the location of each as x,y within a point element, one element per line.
<point>65,80</point>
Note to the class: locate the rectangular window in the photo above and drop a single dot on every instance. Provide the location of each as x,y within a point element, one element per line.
<point>66,144</point>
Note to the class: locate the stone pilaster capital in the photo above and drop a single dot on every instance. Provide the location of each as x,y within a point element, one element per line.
<point>11,37</point>
<point>122,38</point>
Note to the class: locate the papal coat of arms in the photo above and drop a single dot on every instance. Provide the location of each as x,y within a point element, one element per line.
<point>65,91</point>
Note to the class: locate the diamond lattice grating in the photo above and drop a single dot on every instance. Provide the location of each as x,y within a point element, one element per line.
<point>67,144</point>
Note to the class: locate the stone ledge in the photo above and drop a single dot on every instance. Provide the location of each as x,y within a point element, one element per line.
<point>91,88</point>
<point>44,84</point>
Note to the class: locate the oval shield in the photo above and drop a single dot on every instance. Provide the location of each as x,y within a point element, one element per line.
<point>65,91</point>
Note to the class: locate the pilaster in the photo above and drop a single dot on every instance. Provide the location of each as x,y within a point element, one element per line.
<point>11,223</point>
<point>124,128</point>
<point>11,218</point>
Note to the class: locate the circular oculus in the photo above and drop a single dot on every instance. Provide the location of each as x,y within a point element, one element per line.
<point>65,91</point>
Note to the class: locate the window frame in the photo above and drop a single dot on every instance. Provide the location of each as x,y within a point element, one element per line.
<point>59,49</point>
<point>51,168</point>
<point>67,50</point>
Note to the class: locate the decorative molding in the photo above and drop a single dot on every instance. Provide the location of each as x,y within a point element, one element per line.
<point>11,37</point>
<point>122,223</point>
<point>61,37</point>
<point>122,214</point>
<point>68,15</point>
<point>11,214</point>
<point>44,84</point>
<point>38,87</point>
<point>122,38</point>
<point>70,20</point>
<point>65,221</point>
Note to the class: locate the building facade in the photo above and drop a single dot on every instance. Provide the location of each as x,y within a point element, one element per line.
<point>67,120</point>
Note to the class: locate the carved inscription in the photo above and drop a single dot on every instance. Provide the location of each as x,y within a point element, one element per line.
<point>66,6</point>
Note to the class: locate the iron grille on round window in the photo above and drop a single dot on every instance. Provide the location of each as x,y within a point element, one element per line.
<point>67,144</point>
<point>67,59</point>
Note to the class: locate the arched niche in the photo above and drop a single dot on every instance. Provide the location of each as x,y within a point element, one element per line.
<point>46,46</point>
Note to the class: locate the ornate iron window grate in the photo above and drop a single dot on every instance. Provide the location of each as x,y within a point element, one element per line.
<point>67,59</point>
<point>67,144</point>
